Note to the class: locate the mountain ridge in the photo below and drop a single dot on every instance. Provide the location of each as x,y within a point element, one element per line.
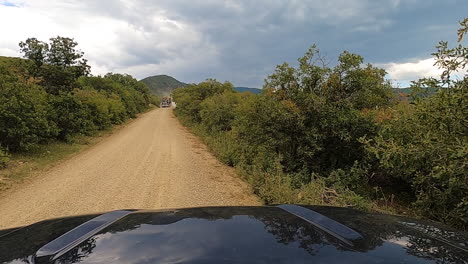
<point>248,89</point>
<point>162,84</point>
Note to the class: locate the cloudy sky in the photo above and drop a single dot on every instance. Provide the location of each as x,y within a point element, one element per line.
<point>236,40</point>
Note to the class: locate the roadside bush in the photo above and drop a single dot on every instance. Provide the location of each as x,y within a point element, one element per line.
<point>70,115</point>
<point>50,96</point>
<point>97,106</point>
<point>275,187</point>
<point>268,128</point>
<point>29,115</point>
<point>116,109</point>
<point>190,97</point>
<point>133,103</point>
<point>4,158</point>
<point>142,91</point>
<point>427,151</point>
<point>217,112</point>
<point>224,145</point>
<point>23,116</point>
<point>293,143</point>
<point>154,100</point>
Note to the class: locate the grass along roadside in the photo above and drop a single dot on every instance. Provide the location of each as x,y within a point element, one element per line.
<point>25,166</point>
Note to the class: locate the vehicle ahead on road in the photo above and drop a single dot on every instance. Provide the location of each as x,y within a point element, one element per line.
<point>266,234</point>
<point>166,101</point>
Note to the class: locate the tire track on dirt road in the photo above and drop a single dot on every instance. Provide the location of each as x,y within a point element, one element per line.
<point>152,163</point>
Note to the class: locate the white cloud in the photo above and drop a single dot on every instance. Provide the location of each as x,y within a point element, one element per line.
<point>8,52</point>
<point>110,42</point>
<point>408,71</point>
<point>405,72</point>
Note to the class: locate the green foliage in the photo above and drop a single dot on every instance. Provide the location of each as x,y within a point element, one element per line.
<point>62,52</point>
<point>35,50</point>
<point>4,158</point>
<point>217,111</point>
<point>23,115</point>
<point>189,98</point>
<point>14,68</point>
<point>349,84</point>
<point>426,149</point>
<point>321,135</point>
<point>269,126</point>
<point>70,116</point>
<point>58,64</point>
<point>294,138</point>
<point>135,95</point>
<point>50,97</point>
<point>98,107</point>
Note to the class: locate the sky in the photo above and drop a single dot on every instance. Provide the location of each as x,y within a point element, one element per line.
<point>240,41</point>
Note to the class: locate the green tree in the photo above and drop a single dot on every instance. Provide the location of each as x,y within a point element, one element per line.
<point>452,59</point>
<point>348,84</point>
<point>328,102</point>
<point>59,64</point>
<point>35,51</point>
<point>426,149</point>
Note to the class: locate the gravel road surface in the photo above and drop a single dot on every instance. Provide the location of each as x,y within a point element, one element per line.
<point>151,163</point>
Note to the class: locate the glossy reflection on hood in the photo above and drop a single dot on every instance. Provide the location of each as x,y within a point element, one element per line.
<point>261,235</point>
<point>244,235</point>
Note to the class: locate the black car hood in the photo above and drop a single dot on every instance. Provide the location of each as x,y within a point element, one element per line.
<point>243,235</point>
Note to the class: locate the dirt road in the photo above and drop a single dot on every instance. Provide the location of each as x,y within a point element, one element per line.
<point>151,163</point>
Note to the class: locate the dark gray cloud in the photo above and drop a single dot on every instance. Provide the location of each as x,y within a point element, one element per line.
<point>242,41</point>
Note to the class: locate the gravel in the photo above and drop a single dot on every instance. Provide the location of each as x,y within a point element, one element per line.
<point>152,163</point>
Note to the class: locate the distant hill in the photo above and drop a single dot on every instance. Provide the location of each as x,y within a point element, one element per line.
<point>247,89</point>
<point>404,93</point>
<point>162,85</point>
<point>17,65</point>
<point>8,61</point>
<point>406,90</point>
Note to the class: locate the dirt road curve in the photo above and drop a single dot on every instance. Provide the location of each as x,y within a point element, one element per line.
<point>153,163</point>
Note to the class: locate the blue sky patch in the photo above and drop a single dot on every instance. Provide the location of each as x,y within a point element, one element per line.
<point>6,3</point>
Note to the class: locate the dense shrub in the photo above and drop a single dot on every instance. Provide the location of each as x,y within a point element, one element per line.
<point>23,115</point>
<point>132,95</point>
<point>337,136</point>
<point>217,111</point>
<point>97,106</point>
<point>70,116</point>
<point>284,147</point>
<point>267,129</point>
<point>190,97</point>
<point>50,96</point>
<point>427,151</point>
